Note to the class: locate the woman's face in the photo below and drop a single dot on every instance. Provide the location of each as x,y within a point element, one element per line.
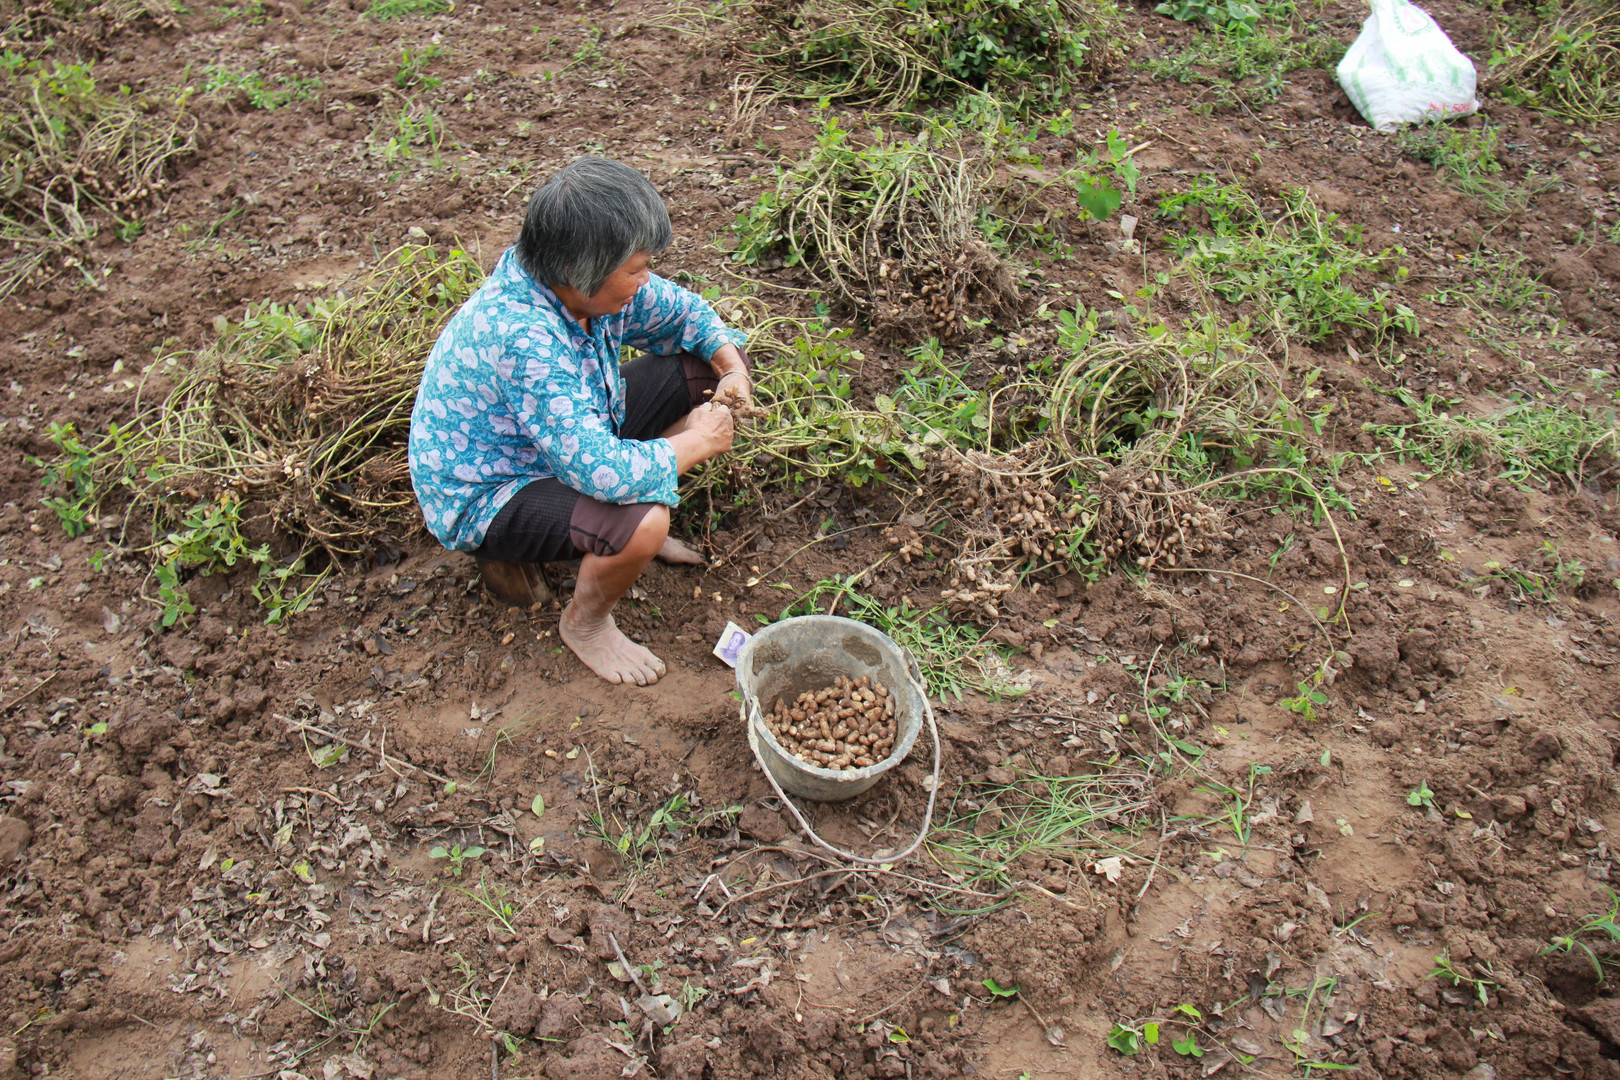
<point>620,287</point>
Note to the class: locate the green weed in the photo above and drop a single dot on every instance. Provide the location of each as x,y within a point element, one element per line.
<point>1522,440</point>
<point>985,835</point>
<point>1466,159</point>
<point>385,10</point>
<point>78,474</point>
<point>493,899</point>
<point>1185,1024</point>
<point>253,11</point>
<point>337,1030</point>
<point>1235,816</point>
<point>457,856</point>
<point>1606,923</point>
<point>1308,698</point>
<point>413,65</point>
<point>257,89</point>
<point>1246,53</point>
<point>411,129</point>
<point>1303,266</point>
<point>1234,15</point>
<point>1493,281</point>
<point>674,817</point>
<point>174,601</point>
<point>1556,575</point>
<point>1445,969</point>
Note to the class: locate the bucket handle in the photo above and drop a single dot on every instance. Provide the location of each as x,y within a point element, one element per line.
<point>751,715</point>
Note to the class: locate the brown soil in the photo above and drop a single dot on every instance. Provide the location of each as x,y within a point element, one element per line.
<point>187,894</point>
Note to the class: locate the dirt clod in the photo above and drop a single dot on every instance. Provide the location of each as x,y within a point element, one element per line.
<point>15,836</point>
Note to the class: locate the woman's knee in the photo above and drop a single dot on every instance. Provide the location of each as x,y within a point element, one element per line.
<point>651,533</point>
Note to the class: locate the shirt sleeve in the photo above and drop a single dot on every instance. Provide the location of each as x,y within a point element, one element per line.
<point>665,319</point>
<point>577,445</point>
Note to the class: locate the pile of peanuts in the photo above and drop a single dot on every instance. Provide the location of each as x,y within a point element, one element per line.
<point>1145,521</point>
<point>849,725</point>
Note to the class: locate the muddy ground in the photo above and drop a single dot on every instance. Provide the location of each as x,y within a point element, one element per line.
<point>217,838</point>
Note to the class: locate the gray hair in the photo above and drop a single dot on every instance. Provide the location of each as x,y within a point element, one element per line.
<point>584,222</point>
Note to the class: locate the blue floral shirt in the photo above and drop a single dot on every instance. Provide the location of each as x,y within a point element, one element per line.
<point>515,391</point>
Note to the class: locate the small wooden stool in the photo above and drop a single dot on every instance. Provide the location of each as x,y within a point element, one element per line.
<point>517,584</point>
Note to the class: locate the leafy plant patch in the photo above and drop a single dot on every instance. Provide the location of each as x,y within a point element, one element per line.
<point>257,90</point>
<point>1302,269</point>
<point>1245,63</point>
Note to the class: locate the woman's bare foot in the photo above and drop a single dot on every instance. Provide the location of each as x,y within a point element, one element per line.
<point>606,651</point>
<point>678,553</point>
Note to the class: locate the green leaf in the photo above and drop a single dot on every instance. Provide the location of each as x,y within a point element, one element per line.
<point>538,806</point>
<point>1188,1047</point>
<point>1187,1010</point>
<point>898,1035</point>
<point>1150,1032</point>
<point>998,990</point>
<point>1125,1040</point>
<point>1098,199</point>
<point>472,852</point>
<point>438,851</point>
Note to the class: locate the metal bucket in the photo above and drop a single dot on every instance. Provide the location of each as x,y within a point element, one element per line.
<point>790,657</point>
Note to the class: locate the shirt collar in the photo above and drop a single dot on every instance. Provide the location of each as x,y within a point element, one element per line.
<point>512,271</point>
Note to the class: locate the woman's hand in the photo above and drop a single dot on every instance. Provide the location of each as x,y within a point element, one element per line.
<point>707,433</point>
<point>736,391</point>
<point>712,423</point>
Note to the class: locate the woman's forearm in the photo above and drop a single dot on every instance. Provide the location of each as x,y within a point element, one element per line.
<point>698,442</point>
<point>727,359</point>
<point>691,450</point>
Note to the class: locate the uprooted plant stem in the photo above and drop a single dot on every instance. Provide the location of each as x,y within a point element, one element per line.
<point>300,418</point>
<point>890,228</point>
<point>894,56</point>
<point>82,159</point>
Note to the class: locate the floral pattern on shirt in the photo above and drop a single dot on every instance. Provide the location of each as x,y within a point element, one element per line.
<point>515,391</point>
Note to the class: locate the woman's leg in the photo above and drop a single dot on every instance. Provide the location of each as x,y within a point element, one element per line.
<point>660,392</point>
<point>587,625</point>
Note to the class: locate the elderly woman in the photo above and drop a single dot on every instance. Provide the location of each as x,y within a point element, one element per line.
<point>530,444</point>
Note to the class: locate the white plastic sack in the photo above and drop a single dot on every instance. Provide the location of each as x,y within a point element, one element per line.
<point>1404,70</point>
